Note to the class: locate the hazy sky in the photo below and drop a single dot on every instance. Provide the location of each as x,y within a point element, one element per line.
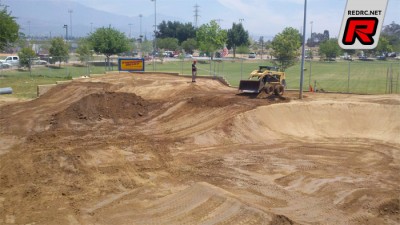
<point>259,17</point>
<point>271,15</point>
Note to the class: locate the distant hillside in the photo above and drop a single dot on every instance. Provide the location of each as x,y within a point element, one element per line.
<point>46,17</point>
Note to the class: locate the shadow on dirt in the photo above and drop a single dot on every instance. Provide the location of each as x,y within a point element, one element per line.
<point>262,95</point>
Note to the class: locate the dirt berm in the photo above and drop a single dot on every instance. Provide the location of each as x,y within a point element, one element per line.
<point>158,149</point>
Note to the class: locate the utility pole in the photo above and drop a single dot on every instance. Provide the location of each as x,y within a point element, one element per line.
<point>196,15</point>
<point>262,46</point>
<point>66,32</point>
<point>140,31</point>
<point>91,27</point>
<point>140,35</point>
<point>29,28</point>
<point>303,50</point>
<point>310,53</point>
<point>311,37</point>
<point>130,30</point>
<point>70,21</point>
<point>219,21</point>
<point>155,33</point>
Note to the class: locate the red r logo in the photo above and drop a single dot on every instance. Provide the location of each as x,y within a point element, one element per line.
<point>362,28</point>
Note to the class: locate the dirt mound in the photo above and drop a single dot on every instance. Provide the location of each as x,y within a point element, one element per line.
<point>24,117</point>
<point>108,105</point>
<point>92,152</point>
<point>201,203</point>
<point>391,208</point>
<point>314,120</point>
<point>281,220</point>
<point>211,101</point>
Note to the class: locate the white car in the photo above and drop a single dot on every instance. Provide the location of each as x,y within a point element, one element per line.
<point>11,60</point>
<point>252,55</point>
<point>5,65</point>
<point>40,62</point>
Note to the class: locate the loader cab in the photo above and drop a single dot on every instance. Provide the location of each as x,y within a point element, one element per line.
<point>270,68</point>
<point>272,78</point>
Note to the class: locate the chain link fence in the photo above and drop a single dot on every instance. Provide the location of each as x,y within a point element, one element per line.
<point>59,67</point>
<point>361,77</point>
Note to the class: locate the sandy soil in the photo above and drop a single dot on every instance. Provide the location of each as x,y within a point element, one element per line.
<point>157,149</point>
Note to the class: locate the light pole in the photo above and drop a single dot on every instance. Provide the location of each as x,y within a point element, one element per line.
<point>130,30</point>
<point>140,35</point>
<point>29,28</point>
<point>155,30</point>
<point>219,21</point>
<point>140,20</point>
<point>311,37</point>
<point>310,53</point>
<point>262,46</point>
<point>303,50</point>
<point>70,21</point>
<point>66,32</point>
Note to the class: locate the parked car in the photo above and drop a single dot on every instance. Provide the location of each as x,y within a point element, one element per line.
<point>381,57</point>
<point>364,58</point>
<point>252,55</point>
<point>4,65</point>
<point>168,54</point>
<point>346,57</point>
<point>12,60</point>
<point>40,62</point>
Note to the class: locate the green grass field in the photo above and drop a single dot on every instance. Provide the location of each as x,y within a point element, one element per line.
<point>24,83</point>
<point>365,77</point>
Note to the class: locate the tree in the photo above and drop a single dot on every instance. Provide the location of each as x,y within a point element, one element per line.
<point>237,36</point>
<point>59,50</point>
<point>25,57</point>
<point>392,33</point>
<point>177,30</point>
<point>317,38</point>
<point>383,46</point>
<point>243,49</point>
<point>210,37</point>
<point>109,41</point>
<point>330,48</point>
<point>285,47</point>
<point>8,28</point>
<point>84,50</point>
<point>167,43</point>
<point>189,45</point>
<point>146,46</point>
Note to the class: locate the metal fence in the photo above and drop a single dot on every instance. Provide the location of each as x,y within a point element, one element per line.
<point>362,77</point>
<point>58,67</point>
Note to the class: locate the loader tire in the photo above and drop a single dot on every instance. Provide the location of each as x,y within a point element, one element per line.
<point>269,89</point>
<point>279,90</point>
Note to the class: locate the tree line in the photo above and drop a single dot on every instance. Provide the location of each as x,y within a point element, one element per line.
<point>184,37</point>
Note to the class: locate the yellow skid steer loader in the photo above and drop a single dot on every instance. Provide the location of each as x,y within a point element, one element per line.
<point>267,79</point>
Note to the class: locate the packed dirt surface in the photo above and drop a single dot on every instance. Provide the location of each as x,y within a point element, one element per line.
<point>158,149</point>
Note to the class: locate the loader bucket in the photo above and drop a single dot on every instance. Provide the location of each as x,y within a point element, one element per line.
<point>250,86</point>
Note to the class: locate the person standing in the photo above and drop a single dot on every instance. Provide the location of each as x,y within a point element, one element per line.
<point>194,71</point>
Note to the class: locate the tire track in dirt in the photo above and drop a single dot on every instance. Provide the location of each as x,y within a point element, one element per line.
<point>201,154</point>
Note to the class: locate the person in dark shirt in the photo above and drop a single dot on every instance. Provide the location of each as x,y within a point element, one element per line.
<point>194,71</point>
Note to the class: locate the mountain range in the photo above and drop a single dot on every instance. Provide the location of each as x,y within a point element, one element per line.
<point>44,18</point>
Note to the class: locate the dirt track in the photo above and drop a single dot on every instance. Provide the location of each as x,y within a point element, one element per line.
<point>157,149</point>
